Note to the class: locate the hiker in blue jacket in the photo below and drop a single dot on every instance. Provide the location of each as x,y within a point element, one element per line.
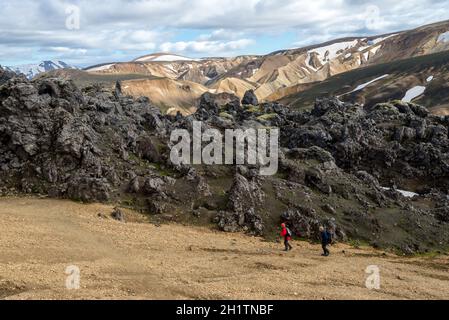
<point>326,239</point>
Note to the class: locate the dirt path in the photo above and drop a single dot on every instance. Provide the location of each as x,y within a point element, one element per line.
<point>39,239</point>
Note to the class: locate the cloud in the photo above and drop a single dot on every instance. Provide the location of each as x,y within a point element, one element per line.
<point>222,34</point>
<point>124,29</point>
<point>206,47</point>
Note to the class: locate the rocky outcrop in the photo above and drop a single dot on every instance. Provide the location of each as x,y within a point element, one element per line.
<point>6,75</point>
<point>64,142</point>
<point>244,198</point>
<point>393,141</point>
<point>250,98</point>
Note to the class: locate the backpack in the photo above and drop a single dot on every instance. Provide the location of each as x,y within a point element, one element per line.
<point>329,237</point>
<point>289,233</point>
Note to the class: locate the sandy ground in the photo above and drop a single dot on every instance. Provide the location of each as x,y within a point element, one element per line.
<point>39,239</point>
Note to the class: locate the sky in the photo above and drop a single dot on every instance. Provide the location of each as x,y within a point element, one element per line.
<point>88,32</point>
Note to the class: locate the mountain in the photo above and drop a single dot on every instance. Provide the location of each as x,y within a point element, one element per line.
<point>280,74</point>
<point>423,80</point>
<point>32,70</point>
<point>166,93</point>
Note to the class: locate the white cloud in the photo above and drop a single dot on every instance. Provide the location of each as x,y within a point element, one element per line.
<point>123,29</point>
<point>206,47</point>
<point>222,34</point>
<point>65,50</point>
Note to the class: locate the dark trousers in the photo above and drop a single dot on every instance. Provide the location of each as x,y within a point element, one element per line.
<point>287,244</point>
<point>325,249</point>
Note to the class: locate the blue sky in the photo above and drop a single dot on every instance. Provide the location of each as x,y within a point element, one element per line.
<point>87,32</point>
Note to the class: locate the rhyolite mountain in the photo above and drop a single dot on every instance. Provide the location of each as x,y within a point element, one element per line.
<point>378,175</point>
<point>175,83</point>
<point>423,80</point>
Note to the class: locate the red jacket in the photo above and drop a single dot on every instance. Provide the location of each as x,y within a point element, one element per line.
<point>284,234</point>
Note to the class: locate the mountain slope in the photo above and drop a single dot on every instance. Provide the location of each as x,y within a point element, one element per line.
<point>130,261</point>
<point>32,70</point>
<point>170,95</point>
<point>382,82</point>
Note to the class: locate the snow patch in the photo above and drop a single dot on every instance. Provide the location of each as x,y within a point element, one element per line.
<point>429,79</point>
<point>366,55</point>
<point>381,39</point>
<point>364,85</point>
<point>100,68</point>
<point>413,93</point>
<point>373,43</point>
<point>363,48</point>
<point>407,194</point>
<point>444,37</point>
<point>375,49</point>
<point>330,52</point>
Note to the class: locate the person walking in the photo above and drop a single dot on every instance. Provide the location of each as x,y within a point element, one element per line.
<point>326,239</point>
<point>287,235</point>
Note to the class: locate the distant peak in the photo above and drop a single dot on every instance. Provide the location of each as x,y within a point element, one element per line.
<point>32,70</point>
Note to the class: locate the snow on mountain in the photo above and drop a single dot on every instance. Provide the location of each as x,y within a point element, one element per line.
<point>407,194</point>
<point>381,39</point>
<point>100,68</point>
<point>163,57</point>
<point>372,44</point>
<point>413,93</point>
<point>32,70</point>
<point>364,85</point>
<point>444,37</point>
<point>332,51</point>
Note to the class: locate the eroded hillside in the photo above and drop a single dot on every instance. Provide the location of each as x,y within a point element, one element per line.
<point>277,75</point>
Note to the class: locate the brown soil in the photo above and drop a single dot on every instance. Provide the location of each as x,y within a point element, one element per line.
<point>40,238</point>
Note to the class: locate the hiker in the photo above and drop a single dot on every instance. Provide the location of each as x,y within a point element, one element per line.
<point>287,235</point>
<point>326,239</point>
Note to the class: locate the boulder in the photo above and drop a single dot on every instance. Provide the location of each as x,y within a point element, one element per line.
<point>153,185</point>
<point>250,98</point>
<point>241,215</point>
<point>118,215</point>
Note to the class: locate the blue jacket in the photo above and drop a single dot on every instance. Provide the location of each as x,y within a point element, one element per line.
<point>326,237</point>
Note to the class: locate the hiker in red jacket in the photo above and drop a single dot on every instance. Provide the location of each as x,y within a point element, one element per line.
<point>287,235</point>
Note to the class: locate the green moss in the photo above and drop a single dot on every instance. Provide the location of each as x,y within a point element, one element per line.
<point>226,115</point>
<point>138,160</point>
<point>253,109</point>
<point>163,171</point>
<point>268,116</point>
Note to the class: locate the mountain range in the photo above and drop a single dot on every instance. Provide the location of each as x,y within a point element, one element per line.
<point>32,70</point>
<point>400,63</point>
